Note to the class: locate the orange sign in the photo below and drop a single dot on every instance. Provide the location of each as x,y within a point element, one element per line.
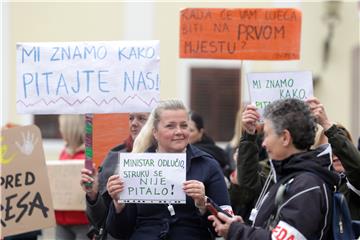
<point>244,33</point>
<point>109,130</point>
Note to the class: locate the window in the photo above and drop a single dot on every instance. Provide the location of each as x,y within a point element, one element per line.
<point>215,95</point>
<point>49,126</point>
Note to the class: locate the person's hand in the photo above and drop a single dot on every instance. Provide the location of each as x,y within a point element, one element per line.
<point>319,112</point>
<point>89,182</point>
<point>196,190</point>
<point>221,223</point>
<point>115,186</point>
<point>249,118</point>
<point>233,177</point>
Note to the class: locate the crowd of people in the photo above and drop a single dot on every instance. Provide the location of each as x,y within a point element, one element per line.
<point>275,164</point>
<point>285,151</point>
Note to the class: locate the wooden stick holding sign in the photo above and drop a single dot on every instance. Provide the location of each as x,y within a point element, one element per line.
<point>88,142</point>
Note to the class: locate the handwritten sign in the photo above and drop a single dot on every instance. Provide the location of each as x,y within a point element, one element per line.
<point>87,77</point>
<point>153,177</point>
<point>26,203</point>
<point>243,33</point>
<point>265,88</point>
<point>63,176</point>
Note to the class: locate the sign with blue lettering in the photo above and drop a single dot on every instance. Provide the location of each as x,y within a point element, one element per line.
<point>153,177</point>
<point>87,77</point>
<point>265,88</point>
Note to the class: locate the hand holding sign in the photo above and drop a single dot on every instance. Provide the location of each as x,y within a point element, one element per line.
<point>249,118</point>
<point>89,182</point>
<point>319,112</point>
<point>115,186</point>
<point>196,190</point>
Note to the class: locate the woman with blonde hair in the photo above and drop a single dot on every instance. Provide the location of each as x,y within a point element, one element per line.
<point>72,130</point>
<point>167,131</point>
<point>72,224</point>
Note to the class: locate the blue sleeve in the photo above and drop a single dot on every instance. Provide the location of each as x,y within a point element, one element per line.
<point>215,186</point>
<point>121,225</point>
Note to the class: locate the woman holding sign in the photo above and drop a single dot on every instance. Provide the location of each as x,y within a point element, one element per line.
<point>167,131</point>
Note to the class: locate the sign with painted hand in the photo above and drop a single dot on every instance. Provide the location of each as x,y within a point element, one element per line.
<point>26,203</point>
<point>87,77</point>
<point>242,33</point>
<point>153,177</point>
<point>265,88</point>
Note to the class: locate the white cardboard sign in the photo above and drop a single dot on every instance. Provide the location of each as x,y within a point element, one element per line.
<point>153,177</point>
<point>87,77</point>
<point>265,88</point>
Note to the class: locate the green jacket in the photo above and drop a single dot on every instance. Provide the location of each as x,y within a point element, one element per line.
<point>349,156</point>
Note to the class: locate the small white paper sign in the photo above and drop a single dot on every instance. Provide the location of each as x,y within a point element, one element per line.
<point>265,88</point>
<point>87,77</point>
<point>153,177</point>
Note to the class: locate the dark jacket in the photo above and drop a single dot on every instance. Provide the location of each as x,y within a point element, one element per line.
<point>349,156</point>
<point>208,145</point>
<point>306,210</point>
<point>97,210</point>
<point>153,221</point>
<point>251,177</point>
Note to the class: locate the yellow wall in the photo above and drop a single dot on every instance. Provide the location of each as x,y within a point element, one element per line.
<point>32,22</point>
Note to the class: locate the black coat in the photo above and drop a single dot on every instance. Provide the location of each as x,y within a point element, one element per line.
<point>153,221</point>
<point>349,156</point>
<point>306,210</point>
<point>208,145</point>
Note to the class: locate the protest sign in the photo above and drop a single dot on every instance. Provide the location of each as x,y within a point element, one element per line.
<point>87,77</point>
<point>153,177</point>
<point>64,176</point>
<point>26,203</point>
<point>242,33</point>
<point>265,88</point>
<point>106,135</point>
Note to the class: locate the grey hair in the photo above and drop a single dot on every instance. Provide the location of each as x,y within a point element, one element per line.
<point>295,116</point>
<point>145,138</point>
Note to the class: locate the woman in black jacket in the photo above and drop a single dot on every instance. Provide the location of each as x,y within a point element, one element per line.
<point>289,131</point>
